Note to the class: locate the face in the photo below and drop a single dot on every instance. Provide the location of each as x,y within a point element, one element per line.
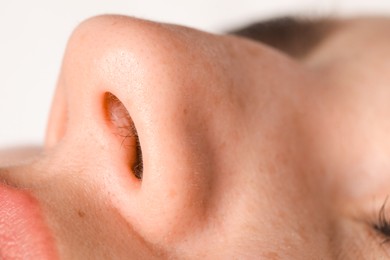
<point>167,142</point>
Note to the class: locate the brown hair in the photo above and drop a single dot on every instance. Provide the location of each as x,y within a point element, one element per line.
<point>294,36</point>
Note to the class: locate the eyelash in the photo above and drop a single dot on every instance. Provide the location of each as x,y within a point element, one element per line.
<point>382,224</point>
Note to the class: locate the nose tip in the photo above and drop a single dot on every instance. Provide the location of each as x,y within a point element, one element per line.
<point>102,56</point>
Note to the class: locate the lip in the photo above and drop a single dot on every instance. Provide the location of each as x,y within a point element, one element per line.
<point>23,233</point>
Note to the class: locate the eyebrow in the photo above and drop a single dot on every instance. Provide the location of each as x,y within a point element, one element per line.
<point>292,35</point>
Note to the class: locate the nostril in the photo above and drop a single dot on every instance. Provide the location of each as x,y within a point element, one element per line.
<point>118,116</point>
<point>124,128</point>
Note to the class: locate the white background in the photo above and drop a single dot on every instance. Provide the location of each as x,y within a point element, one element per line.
<point>34,34</point>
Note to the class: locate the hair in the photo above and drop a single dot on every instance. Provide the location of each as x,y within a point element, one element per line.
<point>294,36</point>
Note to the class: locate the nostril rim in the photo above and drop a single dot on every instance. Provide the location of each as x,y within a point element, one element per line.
<point>124,128</point>
<point>58,120</point>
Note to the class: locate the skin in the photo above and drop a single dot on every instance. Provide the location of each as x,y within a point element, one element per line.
<point>247,152</point>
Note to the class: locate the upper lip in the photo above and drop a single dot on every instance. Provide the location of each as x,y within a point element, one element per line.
<point>23,231</point>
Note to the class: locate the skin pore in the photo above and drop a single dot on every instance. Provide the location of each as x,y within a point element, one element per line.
<point>242,150</point>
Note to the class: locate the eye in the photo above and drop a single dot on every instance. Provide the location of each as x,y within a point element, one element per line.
<point>382,223</point>
<point>124,127</point>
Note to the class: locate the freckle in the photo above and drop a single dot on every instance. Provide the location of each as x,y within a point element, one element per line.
<point>272,255</point>
<point>223,145</point>
<point>172,193</point>
<point>81,213</point>
<point>185,111</point>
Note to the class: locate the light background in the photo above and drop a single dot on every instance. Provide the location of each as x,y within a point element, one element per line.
<point>34,34</point>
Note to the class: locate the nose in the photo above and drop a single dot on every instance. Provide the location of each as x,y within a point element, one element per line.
<point>122,119</point>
